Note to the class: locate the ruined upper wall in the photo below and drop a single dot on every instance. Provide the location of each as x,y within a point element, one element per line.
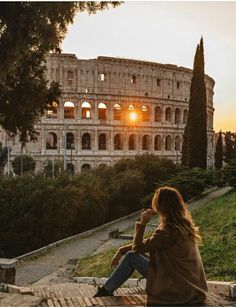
<point>118,76</point>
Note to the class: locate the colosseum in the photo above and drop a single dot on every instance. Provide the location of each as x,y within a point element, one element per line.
<point>113,108</point>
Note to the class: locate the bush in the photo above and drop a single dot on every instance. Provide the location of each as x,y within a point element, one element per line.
<point>229,173</point>
<point>191,182</point>
<point>28,164</point>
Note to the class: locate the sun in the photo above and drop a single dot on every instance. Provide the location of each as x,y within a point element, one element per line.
<point>133,116</point>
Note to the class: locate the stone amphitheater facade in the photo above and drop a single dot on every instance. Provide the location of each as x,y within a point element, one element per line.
<point>113,108</point>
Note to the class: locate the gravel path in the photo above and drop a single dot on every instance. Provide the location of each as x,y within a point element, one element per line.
<point>56,267</point>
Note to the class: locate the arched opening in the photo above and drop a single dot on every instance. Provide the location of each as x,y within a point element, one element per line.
<point>69,110</point>
<point>70,141</point>
<point>168,143</point>
<point>177,143</point>
<point>86,143</point>
<point>145,142</point>
<point>157,142</point>
<point>86,110</point>
<point>131,107</point>
<point>117,112</point>
<point>177,116</point>
<point>185,116</point>
<point>118,142</point>
<point>145,113</point>
<point>132,142</point>
<point>157,114</point>
<point>51,142</point>
<point>102,142</point>
<point>102,110</point>
<point>168,114</point>
<point>52,110</point>
<point>102,166</point>
<point>85,167</point>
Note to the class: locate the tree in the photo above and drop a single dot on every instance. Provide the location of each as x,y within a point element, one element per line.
<point>3,157</point>
<point>23,164</point>
<point>219,152</point>
<point>229,152</point>
<point>195,145</point>
<point>29,31</point>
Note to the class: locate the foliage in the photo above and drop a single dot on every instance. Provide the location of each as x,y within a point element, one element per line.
<point>3,157</point>
<point>219,152</point>
<point>24,164</point>
<point>153,168</point>
<point>229,173</point>
<point>229,150</point>
<point>195,139</point>
<point>29,31</point>
<point>191,182</point>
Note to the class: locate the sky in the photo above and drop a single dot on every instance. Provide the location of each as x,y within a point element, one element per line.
<point>166,32</point>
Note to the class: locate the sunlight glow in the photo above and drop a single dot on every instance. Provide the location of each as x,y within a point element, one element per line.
<point>133,116</point>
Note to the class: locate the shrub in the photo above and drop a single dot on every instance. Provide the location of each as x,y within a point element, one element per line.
<point>28,164</point>
<point>190,182</point>
<point>229,173</point>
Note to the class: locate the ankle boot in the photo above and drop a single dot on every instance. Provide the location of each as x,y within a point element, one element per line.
<point>102,292</point>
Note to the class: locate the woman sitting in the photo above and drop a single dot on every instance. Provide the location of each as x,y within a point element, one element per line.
<point>174,270</point>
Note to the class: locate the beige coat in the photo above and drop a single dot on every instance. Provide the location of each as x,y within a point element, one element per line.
<point>175,273</point>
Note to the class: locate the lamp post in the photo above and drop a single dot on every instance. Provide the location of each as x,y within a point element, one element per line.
<point>65,146</point>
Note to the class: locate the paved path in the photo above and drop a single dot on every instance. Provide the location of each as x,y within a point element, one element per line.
<point>57,266</point>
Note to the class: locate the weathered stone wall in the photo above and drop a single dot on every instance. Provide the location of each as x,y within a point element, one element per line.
<point>114,81</point>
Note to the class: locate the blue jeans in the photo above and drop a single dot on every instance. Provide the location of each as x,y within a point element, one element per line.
<point>129,263</point>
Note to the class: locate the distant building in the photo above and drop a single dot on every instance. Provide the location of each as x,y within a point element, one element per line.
<point>113,108</point>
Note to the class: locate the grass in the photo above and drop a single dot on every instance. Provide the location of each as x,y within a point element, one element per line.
<point>217,222</point>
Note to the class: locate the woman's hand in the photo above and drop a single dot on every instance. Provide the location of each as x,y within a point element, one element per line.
<point>116,259</point>
<point>146,216</point>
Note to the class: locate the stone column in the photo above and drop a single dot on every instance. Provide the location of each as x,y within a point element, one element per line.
<point>7,270</point>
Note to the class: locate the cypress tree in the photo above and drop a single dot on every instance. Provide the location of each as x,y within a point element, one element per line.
<point>195,145</point>
<point>219,152</point>
<point>229,147</point>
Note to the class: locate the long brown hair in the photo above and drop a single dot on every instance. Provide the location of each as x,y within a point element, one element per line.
<point>174,212</point>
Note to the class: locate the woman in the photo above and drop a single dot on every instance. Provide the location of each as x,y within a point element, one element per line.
<point>174,270</point>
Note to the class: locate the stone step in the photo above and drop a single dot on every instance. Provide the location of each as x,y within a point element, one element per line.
<point>74,294</point>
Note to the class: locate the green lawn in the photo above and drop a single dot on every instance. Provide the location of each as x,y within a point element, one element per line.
<point>217,222</point>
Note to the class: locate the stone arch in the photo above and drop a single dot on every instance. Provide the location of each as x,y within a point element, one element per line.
<point>102,141</point>
<point>157,143</point>
<point>168,114</point>
<point>85,167</point>
<point>86,110</point>
<point>102,109</point>
<point>185,117</point>
<point>86,141</point>
<point>117,112</point>
<point>157,114</point>
<point>70,141</point>
<point>145,113</point>
<point>69,110</point>
<point>132,142</point>
<point>177,116</point>
<point>168,143</point>
<point>177,143</point>
<point>118,144</point>
<point>145,142</point>
<point>51,141</point>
